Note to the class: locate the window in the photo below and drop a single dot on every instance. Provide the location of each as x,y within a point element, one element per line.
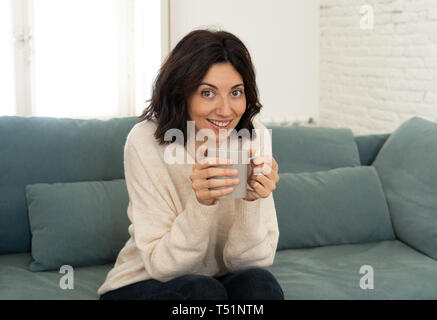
<point>76,63</point>
<point>7,79</point>
<point>85,58</point>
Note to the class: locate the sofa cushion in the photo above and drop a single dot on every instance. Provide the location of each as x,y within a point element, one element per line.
<point>18,283</point>
<point>338,206</point>
<point>407,166</point>
<point>77,224</point>
<point>47,150</point>
<point>310,149</point>
<point>333,272</point>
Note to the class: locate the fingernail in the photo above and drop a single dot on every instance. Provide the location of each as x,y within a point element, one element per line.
<point>257,161</point>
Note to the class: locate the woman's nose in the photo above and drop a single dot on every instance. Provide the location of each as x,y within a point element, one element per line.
<point>224,109</point>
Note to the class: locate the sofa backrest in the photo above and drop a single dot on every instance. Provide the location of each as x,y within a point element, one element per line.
<point>369,146</point>
<point>311,149</point>
<point>48,150</point>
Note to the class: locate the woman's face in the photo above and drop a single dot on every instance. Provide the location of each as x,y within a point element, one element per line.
<point>219,98</point>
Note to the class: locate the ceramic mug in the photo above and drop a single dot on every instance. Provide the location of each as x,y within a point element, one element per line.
<point>240,161</point>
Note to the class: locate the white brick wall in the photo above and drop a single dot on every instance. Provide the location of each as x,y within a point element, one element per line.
<point>373,80</point>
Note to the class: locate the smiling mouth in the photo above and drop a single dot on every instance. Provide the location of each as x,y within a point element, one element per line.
<point>220,124</point>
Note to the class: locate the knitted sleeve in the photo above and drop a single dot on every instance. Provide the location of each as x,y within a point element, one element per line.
<point>253,237</point>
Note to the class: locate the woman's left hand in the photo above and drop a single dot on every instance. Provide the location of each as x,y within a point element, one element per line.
<point>262,177</point>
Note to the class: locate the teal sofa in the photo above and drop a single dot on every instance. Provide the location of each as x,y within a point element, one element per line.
<point>342,233</point>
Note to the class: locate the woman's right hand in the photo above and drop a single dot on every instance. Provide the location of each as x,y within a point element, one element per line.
<point>201,182</point>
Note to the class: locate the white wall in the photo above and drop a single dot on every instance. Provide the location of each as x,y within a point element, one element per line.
<point>282,38</point>
<point>373,80</point>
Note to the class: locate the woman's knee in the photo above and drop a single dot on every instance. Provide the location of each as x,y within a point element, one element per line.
<point>258,273</point>
<point>254,284</point>
<point>201,287</point>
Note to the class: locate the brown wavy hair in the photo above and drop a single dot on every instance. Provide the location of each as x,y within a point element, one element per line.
<point>182,72</point>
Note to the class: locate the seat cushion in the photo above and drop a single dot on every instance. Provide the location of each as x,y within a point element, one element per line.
<point>330,272</point>
<point>407,167</point>
<point>17,282</point>
<point>333,272</point>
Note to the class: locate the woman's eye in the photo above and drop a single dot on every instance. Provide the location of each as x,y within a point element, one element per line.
<point>207,93</point>
<point>239,93</point>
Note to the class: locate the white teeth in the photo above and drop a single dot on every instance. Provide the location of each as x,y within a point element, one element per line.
<point>220,124</point>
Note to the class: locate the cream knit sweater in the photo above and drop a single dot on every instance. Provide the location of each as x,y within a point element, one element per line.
<point>172,234</point>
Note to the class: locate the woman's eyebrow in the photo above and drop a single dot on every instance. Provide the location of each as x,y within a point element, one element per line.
<point>211,85</point>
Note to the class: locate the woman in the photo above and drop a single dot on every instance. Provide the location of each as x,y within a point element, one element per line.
<point>185,243</point>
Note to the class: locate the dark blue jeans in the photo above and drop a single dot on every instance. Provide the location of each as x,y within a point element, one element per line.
<point>249,284</point>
